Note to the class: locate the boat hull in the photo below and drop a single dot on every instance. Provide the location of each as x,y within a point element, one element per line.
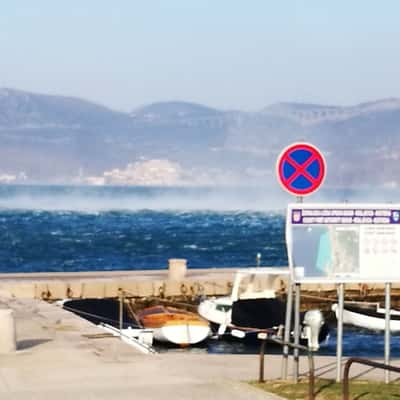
<point>367,318</point>
<point>249,314</point>
<point>175,326</point>
<point>182,334</point>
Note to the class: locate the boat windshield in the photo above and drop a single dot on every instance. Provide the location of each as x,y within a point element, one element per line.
<point>257,283</point>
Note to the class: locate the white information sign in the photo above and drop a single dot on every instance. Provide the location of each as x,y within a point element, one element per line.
<point>344,242</point>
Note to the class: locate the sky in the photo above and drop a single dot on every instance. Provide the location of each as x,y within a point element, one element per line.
<point>228,54</point>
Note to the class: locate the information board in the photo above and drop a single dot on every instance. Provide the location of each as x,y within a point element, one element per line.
<point>343,242</point>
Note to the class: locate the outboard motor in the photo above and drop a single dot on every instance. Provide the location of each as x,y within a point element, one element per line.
<point>313,321</point>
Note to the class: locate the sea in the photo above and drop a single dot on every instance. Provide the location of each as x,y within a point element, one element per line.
<point>77,228</point>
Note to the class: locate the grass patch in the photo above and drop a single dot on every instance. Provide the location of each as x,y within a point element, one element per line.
<point>330,390</point>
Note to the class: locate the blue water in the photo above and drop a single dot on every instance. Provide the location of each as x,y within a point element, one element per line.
<point>129,240</point>
<point>356,343</point>
<point>87,229</point>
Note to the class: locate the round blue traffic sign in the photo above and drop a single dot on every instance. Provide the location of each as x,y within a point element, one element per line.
<point>301,169</point>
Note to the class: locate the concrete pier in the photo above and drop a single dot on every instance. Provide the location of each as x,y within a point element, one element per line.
<point>158,283</point>
<point>60,285</point>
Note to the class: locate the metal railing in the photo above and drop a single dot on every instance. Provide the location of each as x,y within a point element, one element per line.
<point>311,367</point>
<point>363,361</point>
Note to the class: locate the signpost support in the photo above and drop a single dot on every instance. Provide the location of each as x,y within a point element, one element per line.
<point>339,338</point>
<point>288,323</point>
<point>300,170</point>
<point>296,332</point>
<point>343,243</point>
<point>387,330</point>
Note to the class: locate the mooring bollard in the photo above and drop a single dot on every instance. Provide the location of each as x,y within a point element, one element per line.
<point>177,269</point>
<point>8,342</point>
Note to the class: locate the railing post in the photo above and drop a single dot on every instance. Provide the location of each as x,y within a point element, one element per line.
<point>311,380</point>
<point>296,333</point>
<point>311,376</point>
<point>261,369</point>
<point>121,310</point>
<point>370,363</point>
<point>387,330</point>
<point>339,333</point>
<point>288,323</point>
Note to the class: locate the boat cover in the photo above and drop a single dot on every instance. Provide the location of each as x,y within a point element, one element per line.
<point>258,313</point>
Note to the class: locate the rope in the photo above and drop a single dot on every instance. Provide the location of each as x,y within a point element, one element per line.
<point>100,317</point>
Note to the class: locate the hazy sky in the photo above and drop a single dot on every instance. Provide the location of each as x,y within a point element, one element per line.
<point>223,53</point>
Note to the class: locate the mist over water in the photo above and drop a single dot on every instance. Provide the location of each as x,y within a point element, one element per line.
<point>62,228</point>
<point>99,199</point>
<point>85,229</point>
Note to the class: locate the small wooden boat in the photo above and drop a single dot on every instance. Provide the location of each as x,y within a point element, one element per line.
<point>368,316</point>
<point>174,325</point>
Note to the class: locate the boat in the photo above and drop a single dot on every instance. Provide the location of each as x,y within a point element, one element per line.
<point>102,311</point>
<point>254,305</point>
<point>368,316</point>
<point>174,325</point>
<point>105,313</point>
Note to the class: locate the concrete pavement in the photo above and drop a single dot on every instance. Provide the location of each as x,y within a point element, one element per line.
<point>58,357</point>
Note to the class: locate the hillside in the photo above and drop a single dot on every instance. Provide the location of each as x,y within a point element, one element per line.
<point>62,139</point>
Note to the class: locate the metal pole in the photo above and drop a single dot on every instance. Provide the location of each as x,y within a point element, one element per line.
<point>387,330</point>
<point>261,369</point>
<point>121,310</point>
<point>362,361</point>
<point>339,339</point>
<point>258,259</point>
<point>311,376</point>
<point>296,333</point>
<point>288,323</point>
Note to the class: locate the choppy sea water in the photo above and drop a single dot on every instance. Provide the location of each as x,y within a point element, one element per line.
<point>356,342</point>
<point>45,229</point>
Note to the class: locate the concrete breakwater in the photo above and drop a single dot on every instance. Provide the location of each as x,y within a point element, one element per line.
<point>192,284</point>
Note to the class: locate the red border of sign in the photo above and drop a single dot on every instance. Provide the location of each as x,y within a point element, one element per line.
<point>282,157</point>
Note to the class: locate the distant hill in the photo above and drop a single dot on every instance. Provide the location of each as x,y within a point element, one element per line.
<point>58,139</point>
<point>173,110</point>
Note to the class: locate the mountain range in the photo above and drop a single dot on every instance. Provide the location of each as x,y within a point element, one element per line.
<point>56,139</point>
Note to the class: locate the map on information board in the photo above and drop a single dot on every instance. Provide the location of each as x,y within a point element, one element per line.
<point>344,242</point>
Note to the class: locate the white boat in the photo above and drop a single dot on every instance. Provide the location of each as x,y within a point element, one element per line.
<point>175,325</point>
<point>249,284</point>
<point>368,316</point>
<point>253,305</point>
<point>218,311</point>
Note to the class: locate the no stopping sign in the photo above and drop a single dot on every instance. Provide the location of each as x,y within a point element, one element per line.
<point>301,169</point>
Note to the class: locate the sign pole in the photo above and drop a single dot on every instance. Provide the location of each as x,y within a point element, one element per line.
<point>299,199</point>
<point>296,332</point>
<point>288,324</point>
<point>387,329</point>
<point>339,338</point>
<point>300,169</point>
